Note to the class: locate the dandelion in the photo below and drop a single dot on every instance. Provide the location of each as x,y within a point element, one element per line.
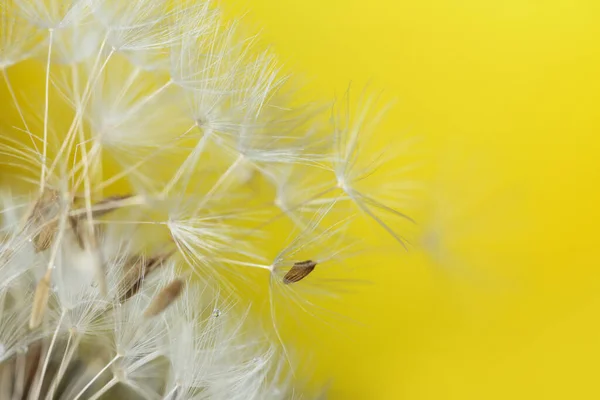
<point>143,178</point>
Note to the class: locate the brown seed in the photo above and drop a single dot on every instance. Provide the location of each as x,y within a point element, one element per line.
<point>131,281</point>
<point>165,298</point>
<point>40,300</point>
<point>299,271</point>
<point>74,222</point>
<point>104,207</point>
<point>137,270</point>
<point>44,219</point>
<point>43,240</point>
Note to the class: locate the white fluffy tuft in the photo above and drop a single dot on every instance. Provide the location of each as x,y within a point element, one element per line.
<point>152,169</point>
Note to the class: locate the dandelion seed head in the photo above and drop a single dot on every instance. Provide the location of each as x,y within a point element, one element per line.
<point>148,170</point>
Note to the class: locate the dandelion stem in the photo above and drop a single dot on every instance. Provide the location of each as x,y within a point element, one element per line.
<point>91,382</point>
<point>111,205</point>
<point>127,85</point>
<point>275,328</point>
<point>41,376</point>
<point>147,99</point>
<point>171,392</point>
<point>249,264</point>
<point>289,210</point>
<point>20,375</point>
<point>220,182</point>
<point>104,389</point>
<point>133,167</point>
<point>94,75</point>
<point>46,107</point>
<point>64,363</point>
<point>190,160</point>
<point>87,187</point>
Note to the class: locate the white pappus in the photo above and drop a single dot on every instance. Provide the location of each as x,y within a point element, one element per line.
<point>143,164</point>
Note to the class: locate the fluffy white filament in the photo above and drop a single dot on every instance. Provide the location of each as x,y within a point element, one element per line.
<point>145,177</point>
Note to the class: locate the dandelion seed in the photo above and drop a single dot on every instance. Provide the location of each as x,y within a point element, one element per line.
<point>299,271</point>
<point>44,219</point>
<point>101,208</point>
<point>380,202</point>
<point>165,298</point>
<point>40,300</point>
<point>189,117</point>
<point>138,270</point>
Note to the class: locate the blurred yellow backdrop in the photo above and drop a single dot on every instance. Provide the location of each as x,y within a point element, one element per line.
<point>501,299</point>
<point>506,303</point>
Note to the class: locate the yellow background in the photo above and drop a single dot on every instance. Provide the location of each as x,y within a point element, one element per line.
<point>506,94</point>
